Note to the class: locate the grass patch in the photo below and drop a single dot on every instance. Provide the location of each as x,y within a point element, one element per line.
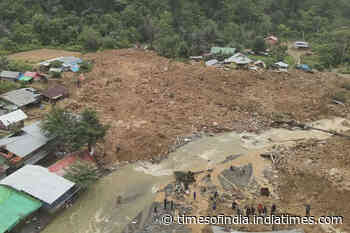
<point>290,61</point>
<point>86,66</point>
<point>346,86</point>
<point>344,70</point>
<point>313,61</point>
<point>55,74</point>
<point>6,86</point>
<point>19,66</point>
<point>342,96</point>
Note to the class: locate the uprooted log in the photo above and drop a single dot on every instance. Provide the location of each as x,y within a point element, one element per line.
<point>186,178</point>
<point>294,124</point>
<point>272,156</point>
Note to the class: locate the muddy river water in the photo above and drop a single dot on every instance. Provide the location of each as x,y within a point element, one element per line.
<point>97,210</point>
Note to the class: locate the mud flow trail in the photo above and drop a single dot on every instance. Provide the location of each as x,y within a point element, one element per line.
<point>98,210</point>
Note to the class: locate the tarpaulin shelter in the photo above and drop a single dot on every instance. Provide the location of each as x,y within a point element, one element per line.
<point>35,75</point>
<point>24,78</point>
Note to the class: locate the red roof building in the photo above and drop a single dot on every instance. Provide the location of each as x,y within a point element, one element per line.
<point>271,40</point>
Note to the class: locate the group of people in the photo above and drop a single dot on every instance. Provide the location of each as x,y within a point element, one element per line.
<point>251,210</point>
<point>260,210</point>
<point>165,205</point>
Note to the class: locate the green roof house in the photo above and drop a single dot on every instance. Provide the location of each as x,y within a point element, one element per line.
<point>15,206</point>
<point>223,50</point>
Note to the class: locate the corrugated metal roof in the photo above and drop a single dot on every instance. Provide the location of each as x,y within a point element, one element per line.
<point>239,58</point>
<point>57,70</point>
<point>31,74</point>
<point>70,60</point>
<point>301,44</point>
<point>55,92</point>
<point>25,144</point>
<point>39,183</point>
<point>13,117</point>
<point>271,38</point>
<point>9,74</point>
<point>282,64</point>
<point>223,50</point>
<point>22,97</point>
<point>211,62</point>
<point>14,206</point>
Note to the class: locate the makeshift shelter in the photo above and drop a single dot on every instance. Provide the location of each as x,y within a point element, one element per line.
<point>68,63</point>
<point>260,64</point>
<point>55,93</point>
<point>52,190</point>
<point>196,58</point>
<point>211,62</point>
<point>239,59</point>
<point>56,70</point>
<point>222,50</point>
<point>13,118</point>
<point>15,206</point>
<point>35,75</point>
<point>9,76</point>
<point>304,67</point>
<point>25,78</point>
<point>282,65</point>
<point>22,97</point>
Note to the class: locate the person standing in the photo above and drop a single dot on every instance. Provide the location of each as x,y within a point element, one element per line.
<point>307,210</point>
<point>234,205</point>
<point>171,205</point>
<point>273,209</point>
<point>247,211</point>
<point>165,203</point>
<point>238,211</point>
<point>252,210</point>
<point>194,195</point>
<point>260,209</point>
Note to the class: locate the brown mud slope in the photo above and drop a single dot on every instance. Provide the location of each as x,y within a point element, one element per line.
<point>318,173</point>
<point>149,100</point>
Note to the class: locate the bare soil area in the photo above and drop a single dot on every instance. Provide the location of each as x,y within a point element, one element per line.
<point>41,55</point>
<point>318,173</point>
<point>149,100</point>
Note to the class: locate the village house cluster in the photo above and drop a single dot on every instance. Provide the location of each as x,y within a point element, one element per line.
<point>244,60</point>
<point>31,180</point>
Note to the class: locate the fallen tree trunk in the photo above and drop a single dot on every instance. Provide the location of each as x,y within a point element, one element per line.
<point>293,124</point>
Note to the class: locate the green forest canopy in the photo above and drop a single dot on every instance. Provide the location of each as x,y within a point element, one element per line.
<point>173,27</point>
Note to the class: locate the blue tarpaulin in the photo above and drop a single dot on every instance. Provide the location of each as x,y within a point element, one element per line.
<point>304,67</point>
<point>74,67</point>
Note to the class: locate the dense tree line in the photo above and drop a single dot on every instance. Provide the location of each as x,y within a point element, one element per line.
<point>172,27</point>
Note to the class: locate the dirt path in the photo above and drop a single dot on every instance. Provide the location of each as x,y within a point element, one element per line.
<point>295,53</point>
